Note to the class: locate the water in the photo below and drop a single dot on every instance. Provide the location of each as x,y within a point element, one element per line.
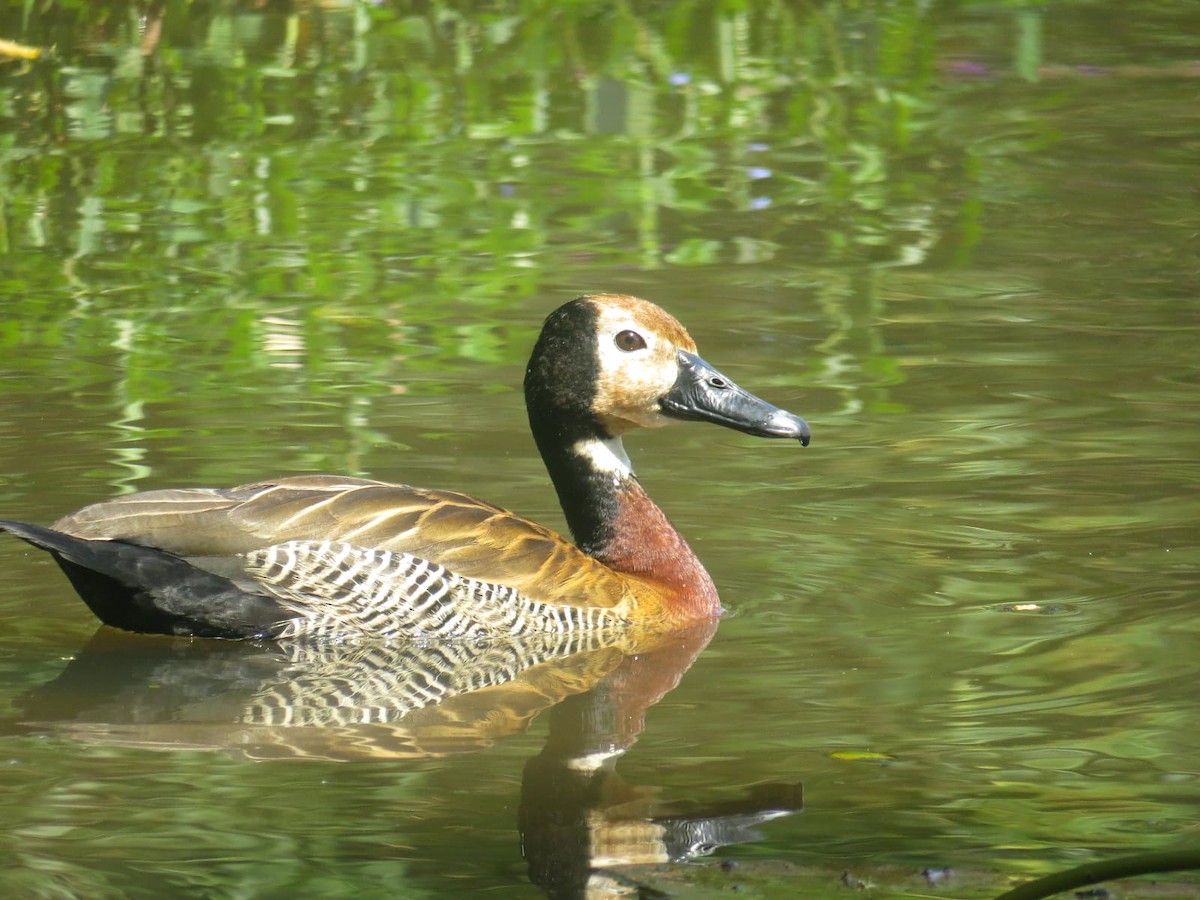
<point>961,242</point>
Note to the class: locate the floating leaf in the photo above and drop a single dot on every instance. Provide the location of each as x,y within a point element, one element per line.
<point>13,50</point>
<point>862,756</point>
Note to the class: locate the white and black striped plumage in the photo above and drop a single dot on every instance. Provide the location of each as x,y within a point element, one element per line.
<point>336,589</point>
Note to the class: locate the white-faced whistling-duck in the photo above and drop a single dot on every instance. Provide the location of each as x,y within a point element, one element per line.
<point>323,555</point>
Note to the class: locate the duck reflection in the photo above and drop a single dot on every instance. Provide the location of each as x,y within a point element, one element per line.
<point>580,821</point>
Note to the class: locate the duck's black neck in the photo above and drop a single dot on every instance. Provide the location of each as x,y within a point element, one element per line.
<point>589,471</point>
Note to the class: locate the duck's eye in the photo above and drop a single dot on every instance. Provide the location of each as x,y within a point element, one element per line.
<point>629,341</point>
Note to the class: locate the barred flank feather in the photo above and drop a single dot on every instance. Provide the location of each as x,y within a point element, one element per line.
<point>336,589</point>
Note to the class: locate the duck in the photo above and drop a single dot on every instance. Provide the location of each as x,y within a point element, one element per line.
<point>337,557</point>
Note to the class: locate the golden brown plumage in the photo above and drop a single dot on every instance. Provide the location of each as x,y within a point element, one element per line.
<point>468,536</point>
<point>334,555</point>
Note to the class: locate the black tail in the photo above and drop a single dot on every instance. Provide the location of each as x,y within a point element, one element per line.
<point>152,591</point>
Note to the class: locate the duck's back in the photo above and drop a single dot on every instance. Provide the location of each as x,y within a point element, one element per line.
<point>214,528</point>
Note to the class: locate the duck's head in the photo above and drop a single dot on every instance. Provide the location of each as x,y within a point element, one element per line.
<point>606,363</point>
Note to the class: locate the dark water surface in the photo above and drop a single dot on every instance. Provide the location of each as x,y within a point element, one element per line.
<point>962,239</point>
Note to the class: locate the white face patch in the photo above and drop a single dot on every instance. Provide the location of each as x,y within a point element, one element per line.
<point>605,455</point>
<point>632,381</point>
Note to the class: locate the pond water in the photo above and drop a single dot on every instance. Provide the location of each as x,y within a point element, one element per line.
<point>960,239</point>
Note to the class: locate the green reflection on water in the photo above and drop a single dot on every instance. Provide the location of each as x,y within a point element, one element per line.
<point>959,238</point>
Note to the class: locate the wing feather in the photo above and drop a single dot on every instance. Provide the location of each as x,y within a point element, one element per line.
<point>213,526</point>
